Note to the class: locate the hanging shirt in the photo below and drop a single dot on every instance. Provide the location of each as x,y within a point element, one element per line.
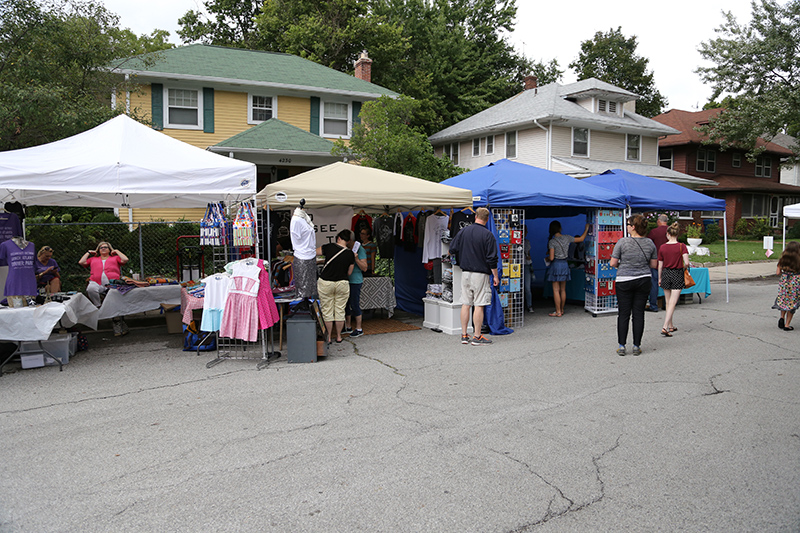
<point>21,280</point>
<point>421,218</point>
<point>434,226</point>
<point>9,227</point>
<point>216,294</point>
<point>459,221</point>
<point>398,229</point>
<point>410,233</point>
<point>382,232</point>
<point>361,221</point>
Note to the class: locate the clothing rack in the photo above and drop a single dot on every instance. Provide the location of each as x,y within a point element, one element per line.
<point>228,348</point>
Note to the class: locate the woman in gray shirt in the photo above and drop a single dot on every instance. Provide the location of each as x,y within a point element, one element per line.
<point>633,257</point>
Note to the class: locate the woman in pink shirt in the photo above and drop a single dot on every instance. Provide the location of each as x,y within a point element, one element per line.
<point>104,264</point>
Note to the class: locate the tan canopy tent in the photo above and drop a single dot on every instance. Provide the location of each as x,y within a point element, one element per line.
<point>343,184</point>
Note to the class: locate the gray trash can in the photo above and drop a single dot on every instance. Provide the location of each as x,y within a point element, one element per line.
<point>301,339</point>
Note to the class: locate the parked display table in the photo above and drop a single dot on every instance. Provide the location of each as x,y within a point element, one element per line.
<point>702,284</point>
<point>378,293</point>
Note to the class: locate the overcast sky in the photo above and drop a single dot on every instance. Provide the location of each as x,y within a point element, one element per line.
<point>668,33</point>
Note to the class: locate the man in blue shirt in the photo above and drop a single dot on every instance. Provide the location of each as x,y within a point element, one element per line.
<point>475,250</point>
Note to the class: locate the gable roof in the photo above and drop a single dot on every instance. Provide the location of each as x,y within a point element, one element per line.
<point>202,62</point>
<point>687,121</point>
<point>274,134</point>
<point>551,103</point>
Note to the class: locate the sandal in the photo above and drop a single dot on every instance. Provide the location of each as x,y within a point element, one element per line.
<point>338,341</point>
<point>781,323</point>
<point>554,314</point>
<point>673,329</point>
<point>665,333</point>
<point>788,328</point>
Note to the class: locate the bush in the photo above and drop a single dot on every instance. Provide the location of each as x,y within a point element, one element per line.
<point>741,229</point>
<point>712,234</point>
<point>794,231</point>
<point>760,228</point>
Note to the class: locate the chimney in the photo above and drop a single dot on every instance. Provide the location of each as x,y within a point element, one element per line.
<point>531,82</point>
<point>364,67</point>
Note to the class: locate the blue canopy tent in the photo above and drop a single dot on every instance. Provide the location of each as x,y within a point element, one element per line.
<point>542,193</point>
<point>644,193</point>
<point>507,183</point>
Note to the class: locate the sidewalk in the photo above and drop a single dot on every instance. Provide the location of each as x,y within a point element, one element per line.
<point>742,271</point>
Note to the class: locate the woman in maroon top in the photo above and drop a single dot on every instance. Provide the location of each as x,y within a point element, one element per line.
<point>673,258</point>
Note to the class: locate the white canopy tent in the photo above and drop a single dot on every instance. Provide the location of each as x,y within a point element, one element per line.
<point>789,211</point>
<point>122,163</point>
<point>343,184</point>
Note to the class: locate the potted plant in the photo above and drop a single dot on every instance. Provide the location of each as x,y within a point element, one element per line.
<point>694,235</point>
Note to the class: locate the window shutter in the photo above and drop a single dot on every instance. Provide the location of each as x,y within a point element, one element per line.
<point>314,125</point>
<point>208,110</point>
<point>356,112</point>
<point>157,105</point>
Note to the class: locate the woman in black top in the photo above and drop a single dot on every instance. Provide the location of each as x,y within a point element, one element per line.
<point>333,284</point>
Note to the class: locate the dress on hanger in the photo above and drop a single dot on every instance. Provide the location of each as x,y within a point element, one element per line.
<point>240,317</point>
<point>215,296</point>
<point>21,279</point>
<point>267,309</point>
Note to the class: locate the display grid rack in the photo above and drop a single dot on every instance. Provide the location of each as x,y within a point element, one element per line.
<point>510,225</point>
<point>605,229</point>
<point>228,348</point>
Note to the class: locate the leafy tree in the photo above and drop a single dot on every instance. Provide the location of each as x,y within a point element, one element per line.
<point>547,72</point>
<point>233,24</point>
<point>450,55</point>
<point>611,57</point>
<point>386,139</point>
<point>54,76</point>
<point>759,65</point>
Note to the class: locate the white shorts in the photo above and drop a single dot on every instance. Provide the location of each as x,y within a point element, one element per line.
<point>476,288</point>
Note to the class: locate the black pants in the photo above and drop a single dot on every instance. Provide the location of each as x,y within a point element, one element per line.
<point>632,296</point>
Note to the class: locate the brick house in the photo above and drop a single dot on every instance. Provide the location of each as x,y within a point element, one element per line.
<point>750,189</point>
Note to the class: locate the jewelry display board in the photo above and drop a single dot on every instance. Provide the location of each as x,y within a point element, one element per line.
<point>510,224</point>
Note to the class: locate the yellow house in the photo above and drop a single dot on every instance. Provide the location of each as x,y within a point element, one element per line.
<point>276,110</point>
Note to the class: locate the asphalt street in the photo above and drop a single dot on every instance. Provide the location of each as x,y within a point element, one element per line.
<point>547,430</point>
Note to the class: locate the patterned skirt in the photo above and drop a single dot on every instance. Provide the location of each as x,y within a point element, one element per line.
<point>788,292</point>
<point>305,277</point>
<point>672,279</point>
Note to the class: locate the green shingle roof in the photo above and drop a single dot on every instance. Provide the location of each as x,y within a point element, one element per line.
<point>238,65</point>
<point>274,134</point>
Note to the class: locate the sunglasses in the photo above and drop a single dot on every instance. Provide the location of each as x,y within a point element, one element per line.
<point>47,249</point>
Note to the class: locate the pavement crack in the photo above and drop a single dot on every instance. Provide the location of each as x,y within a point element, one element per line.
<point>573,507</point>
<point>375,359</point>
<point>127,393</point>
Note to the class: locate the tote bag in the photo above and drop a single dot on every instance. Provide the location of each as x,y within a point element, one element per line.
<point>244,226</point>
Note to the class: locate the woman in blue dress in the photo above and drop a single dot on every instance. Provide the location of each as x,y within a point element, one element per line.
<point>558,273</point>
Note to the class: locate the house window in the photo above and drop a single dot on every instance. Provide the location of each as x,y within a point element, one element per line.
<point>183,108</point>
<point>490,144</point>
<point>260,108</point>
<point>763,167</point>
<point>580,142</point>
<point>706,161</point>
<point>736,160</point>
<point>450,151</point>
<point>633,142</point>
<point>476,147</point>
<point>665,158</point>
<point>755,205</point>
<point>336,119</point>
<point>612,107</point>
<point>601,105</point>
<point>511,144</point>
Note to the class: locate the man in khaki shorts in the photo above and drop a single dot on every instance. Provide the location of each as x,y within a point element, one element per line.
<point>475,250</point>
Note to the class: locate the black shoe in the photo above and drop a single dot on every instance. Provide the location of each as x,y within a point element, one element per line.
<point>356,333</point>
<point>651,309</point>
<point>781,323</point>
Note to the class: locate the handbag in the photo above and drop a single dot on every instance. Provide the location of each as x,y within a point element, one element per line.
<point>210,231</point>
<point>244,226</point>
<point>688,280</point>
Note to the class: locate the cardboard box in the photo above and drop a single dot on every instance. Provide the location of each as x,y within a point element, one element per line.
<point>174,322</point>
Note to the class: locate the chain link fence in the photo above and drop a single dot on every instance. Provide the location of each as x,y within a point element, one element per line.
<point>154,249</point>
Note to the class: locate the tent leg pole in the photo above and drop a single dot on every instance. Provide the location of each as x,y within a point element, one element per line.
<point>725,235</point>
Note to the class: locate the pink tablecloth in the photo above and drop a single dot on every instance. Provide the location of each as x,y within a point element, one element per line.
<point>188,304</point>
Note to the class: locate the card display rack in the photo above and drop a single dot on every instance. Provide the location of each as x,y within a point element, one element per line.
<point>605,229</point>
<point>510,224</point>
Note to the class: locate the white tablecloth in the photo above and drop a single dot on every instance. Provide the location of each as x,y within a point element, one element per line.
<point>36,323</point>
<point>139,300</point>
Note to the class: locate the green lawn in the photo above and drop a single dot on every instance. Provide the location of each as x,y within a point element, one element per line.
<point>737,251</point>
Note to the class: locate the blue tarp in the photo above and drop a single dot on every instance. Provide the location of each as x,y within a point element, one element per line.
<point>507,183</point>
<point>651,194</point>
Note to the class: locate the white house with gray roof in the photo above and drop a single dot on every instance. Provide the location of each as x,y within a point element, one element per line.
<point>580,129</point>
